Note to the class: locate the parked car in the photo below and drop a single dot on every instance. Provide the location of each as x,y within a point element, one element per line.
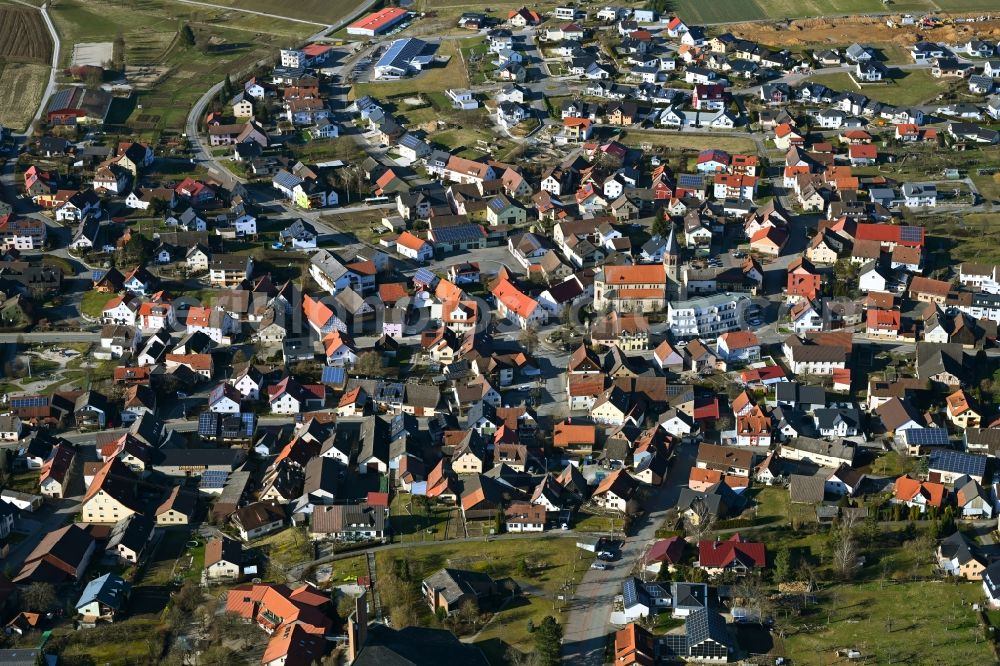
<point>600,566</point>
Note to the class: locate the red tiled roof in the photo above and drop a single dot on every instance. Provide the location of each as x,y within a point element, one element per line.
<point>719,554</point>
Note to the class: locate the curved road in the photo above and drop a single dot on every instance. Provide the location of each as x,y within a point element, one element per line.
<point>54,67</point>
<point>199,146</point>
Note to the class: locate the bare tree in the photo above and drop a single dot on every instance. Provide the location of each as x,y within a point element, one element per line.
<point>750,593</point>
<point>700,519</point>
<point>845,550</point>
<point>529,338</point>
<point>517,658</point>
<point>468,612</point>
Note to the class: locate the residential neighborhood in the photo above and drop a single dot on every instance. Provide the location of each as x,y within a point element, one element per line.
<point>512,335</point>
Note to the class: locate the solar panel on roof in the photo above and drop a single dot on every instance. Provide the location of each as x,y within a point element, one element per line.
<point>31,401</point>
<point>910,233</point>
<point>675,644</point>
<point>424,276</point>
<point>249,422</point>
<point>926,436</point>
<point>629,592</point>
<point>333,375</point>
<point>697,627</point>
<point>957,462</point>
<point>208,425</point>
<point>462,232</point>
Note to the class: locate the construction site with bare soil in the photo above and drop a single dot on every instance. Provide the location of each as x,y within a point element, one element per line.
<point>870,29</point>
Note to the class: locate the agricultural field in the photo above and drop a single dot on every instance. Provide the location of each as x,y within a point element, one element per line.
<point>25,54</point>
<point>228,41</point>
<point>23,85</point>
<point>25,37</point>
<point>320,12</point>
<point>727,11</point>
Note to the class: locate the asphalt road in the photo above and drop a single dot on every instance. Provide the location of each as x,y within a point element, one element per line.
<point>586,630</point>
<point>51,336</point>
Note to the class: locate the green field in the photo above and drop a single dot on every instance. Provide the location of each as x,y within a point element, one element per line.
<point>894,624</point>
<point>732,11</point>
<point>684,140</point>
<point>321,12</point>
<point>910,87</point>
<point>542,567</point>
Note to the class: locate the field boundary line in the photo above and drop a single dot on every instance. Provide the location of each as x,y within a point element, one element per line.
<point>252,11</point>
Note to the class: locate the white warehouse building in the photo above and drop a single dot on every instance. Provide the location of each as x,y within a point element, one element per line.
<point>403,57</point>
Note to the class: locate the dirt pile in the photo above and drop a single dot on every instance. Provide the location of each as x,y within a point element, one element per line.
<point>805,32</point>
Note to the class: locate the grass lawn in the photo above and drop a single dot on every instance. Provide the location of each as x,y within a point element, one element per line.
<point>410,522</point>
<point>133,641</point>
<point>172,558</point>
<point>694,142</point>
<point>93,303</point>
<point>597,523</point>
<point>892,464</point>
<point>319,11</point>
<point>24,482</point>
<point>908,86</point>
<point>771,506</point>
<point>895,622</point>
<point>554,566</point>
<point>348,569</point>
<point>285,549</point>
<point>966,238</point>
<point>466,138</point>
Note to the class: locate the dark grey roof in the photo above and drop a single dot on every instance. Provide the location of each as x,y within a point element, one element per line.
<point>416,646</point>
<point>958,547</point>
<point>720,499</point>
<point>806,489</point>
<point>321,475</point>
<point>829,417</point>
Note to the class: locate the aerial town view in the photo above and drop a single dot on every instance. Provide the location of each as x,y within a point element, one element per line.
<point>435,333</point>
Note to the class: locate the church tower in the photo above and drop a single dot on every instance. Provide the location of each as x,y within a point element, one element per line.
<point>672,263</point>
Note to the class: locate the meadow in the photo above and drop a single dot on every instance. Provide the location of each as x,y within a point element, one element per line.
<point>23,85</point>
<point>320,12</point>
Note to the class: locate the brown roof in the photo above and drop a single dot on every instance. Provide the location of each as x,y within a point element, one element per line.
<point>258,514</point>
<point>566,434</point>
<point>218,550</point>
<point>716,456</point>
<point>922,285</point>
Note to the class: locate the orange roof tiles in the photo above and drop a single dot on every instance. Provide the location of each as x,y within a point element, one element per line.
<point>639,274</point>
<point>409,241</point>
